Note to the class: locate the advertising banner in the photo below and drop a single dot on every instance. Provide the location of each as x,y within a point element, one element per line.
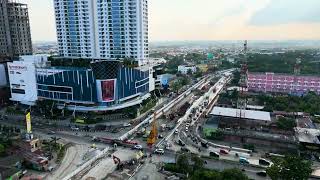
<point>108,90</point>
<point>28,119</point>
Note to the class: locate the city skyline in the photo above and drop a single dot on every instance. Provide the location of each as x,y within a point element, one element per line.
<point>227,20</point>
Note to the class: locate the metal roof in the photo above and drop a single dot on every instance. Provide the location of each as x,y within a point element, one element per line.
<point>246,114</point>
<point>308,135</point>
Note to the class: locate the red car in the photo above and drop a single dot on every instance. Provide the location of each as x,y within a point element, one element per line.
<point>223,151</point>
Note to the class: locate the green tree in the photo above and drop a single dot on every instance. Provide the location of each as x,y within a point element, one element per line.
<point>206,175</point>
<point>2,149</point>
<point>290,167</point>
<point>216,135</point>
<point>176,86</point>
<point>183,163</point>
<point>234,174</point>
<point>184,81</point>
<point>198,74</point>
<point>286,123</point>
<point>198,163</point>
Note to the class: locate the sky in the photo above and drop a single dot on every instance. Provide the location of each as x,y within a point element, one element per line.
<point>180,20</point>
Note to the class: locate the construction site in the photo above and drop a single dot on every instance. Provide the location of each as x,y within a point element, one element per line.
<point>22,152</point>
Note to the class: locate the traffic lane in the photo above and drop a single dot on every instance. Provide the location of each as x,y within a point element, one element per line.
<point>194,146</point>
<point>251,172</point>
<point>42,134</point>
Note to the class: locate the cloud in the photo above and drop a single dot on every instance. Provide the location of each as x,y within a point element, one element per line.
<point>279,12</point>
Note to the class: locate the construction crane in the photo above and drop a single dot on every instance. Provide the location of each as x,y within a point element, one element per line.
<point>154,132</point>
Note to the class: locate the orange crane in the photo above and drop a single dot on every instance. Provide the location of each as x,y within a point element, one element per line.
<point>154,132</point>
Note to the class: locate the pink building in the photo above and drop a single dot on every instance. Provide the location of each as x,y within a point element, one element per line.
<point>283,83</point>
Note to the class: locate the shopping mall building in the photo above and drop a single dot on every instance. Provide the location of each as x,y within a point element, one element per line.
<point>104,85</point>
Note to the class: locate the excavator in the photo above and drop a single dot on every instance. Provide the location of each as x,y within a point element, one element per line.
<point>118,162</point>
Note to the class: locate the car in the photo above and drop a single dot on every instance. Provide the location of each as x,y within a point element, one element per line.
<point>176,131</point>
<point>187,130</point>
<point>126,125</point>
<point>180,142</point>
<point>262,173</point>
<point>74,128</point>
<point>160,136</point>
<point>205,144</point>
<point>159,151</point>
<point>223,151</point>
<point>243,161</point>
<point>137,147</point>
<point>50,168</point>
<point>51,132</point>
<point>188,124</point>
<point>264,162</point>
<point>214,154</point>
<point>184,149</point>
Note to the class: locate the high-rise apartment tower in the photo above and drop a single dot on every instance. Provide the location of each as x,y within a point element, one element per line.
<point>107,29</point>
<point>15,37</point>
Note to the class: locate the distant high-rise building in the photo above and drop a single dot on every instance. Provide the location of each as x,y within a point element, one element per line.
<point>15,37</point>
<point>108,29</point>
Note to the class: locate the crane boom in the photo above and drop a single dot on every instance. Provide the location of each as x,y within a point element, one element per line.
<point>154,132</point>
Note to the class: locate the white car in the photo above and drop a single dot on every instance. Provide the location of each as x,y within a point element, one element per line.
<point>126,125</point>
<point>176,131</point>
<point>75,128</point>
<point>159,151</point>
<point>187,129</point>
<point>138,147</point>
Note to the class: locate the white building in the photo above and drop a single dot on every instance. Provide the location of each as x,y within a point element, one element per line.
<point>156,61</point>
<point>3,76</point>
<point>22,78</point>
<point>184,69</point>
<point>110,29</point>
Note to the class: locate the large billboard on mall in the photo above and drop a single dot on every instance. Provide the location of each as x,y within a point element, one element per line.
<point>106,90</point>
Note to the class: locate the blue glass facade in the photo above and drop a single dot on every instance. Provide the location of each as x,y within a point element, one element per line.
<point>74,85</point>
<point>82,85</point>
<point>132,81</point>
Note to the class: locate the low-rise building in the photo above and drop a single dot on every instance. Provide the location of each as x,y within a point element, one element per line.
<point>203,67</point>
<point>163,80</point>
<point>309,138</point>
<point>22,78</point>
<point>184,69</point>
<point>283,83</point>
<point>3,76</point>
<point>231,117</point>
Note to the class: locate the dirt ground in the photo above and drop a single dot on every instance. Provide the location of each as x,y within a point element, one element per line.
<point>71,160</point>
